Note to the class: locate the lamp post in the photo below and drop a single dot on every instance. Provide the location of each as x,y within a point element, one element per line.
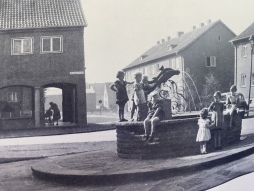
<point>251,39</point>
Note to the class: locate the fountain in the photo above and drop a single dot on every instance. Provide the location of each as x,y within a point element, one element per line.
<point>175,137</point>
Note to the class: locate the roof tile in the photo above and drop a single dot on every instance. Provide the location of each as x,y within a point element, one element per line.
<point>23,14</point>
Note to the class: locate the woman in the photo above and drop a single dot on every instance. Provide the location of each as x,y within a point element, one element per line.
<point>56,112</point>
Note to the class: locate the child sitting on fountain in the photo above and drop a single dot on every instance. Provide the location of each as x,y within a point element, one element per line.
<point>204,133</point>
<point>217,117</point>
<point>232,102</point>
<point>155,115</point>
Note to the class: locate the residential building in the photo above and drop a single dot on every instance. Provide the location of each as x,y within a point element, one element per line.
<point>42,46</point>
<point>243,76</point>
<point>203,50</point>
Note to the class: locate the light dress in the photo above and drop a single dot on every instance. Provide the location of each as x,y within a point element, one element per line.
<point>204,133</point>
<point>139,95</point>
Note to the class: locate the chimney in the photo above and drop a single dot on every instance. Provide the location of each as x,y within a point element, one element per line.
<point>194,28</point>
<point>162,40</point>
<point>201,25</point>
<point>158,42</point>
<point>169,38</point>
<point>180,34</point>
<point>208,21</point>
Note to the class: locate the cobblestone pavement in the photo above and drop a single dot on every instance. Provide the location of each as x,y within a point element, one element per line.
<point>18,175</point>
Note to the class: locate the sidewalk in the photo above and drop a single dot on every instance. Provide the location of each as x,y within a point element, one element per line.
<point>104,167</point>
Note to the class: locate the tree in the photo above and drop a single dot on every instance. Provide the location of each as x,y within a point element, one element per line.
<point>211,85</point>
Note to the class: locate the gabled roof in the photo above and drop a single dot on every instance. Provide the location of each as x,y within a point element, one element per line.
<point>245,34</point>
<point>26,14</point>
<point>178,44</point>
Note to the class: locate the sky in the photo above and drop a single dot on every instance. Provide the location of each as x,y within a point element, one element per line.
<point>119,31</point>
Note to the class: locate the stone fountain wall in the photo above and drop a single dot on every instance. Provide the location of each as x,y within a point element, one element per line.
<point>173,138</point>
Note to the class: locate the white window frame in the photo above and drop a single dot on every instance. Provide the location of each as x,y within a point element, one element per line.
<point>178,62</point>
<point>22,45</point>
<point>243,80</point>
<point>51,44</point>
<point>173,63</point>
<point>153,68</point>
<point>13,97</point>
<point>212,61</point>
<point>244,50</point>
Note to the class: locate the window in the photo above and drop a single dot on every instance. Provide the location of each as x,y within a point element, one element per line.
<point>12,97</point>
<point>51,44</point>
<point>243,80</point>
<point>22,46</point>
<point>173,63</point>
<point>211,61</point>
<point>178,62</point>
<point>153,69</point>
<point>244,51</point>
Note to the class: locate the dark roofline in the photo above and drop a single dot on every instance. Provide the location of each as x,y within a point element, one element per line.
<point>183,48</point>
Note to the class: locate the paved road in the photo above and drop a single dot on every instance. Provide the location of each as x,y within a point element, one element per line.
<point>18,175</point>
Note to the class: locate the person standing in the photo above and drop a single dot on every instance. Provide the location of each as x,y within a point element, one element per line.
<point>56,112</point>
<point>119,86</point>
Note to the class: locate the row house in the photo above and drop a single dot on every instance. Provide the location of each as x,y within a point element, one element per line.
<point>244,77</point>
<point>42,46</point>
<point>205,49</point>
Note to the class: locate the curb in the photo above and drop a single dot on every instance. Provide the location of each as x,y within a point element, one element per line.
<point>58,174</point>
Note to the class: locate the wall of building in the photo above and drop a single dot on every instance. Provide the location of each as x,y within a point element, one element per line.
<point>243,65</point>
<point>209,45</point>
<point>38,70</point>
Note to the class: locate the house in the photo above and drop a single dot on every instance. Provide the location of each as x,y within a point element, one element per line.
<point>90,99</point>
<point>99,93</point>
<point>203,50</point>
<point>109,97</point>
<point>243,76</point>
<point>42,46</point>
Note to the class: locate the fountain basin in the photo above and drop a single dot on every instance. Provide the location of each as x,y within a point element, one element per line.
<point>173,138</point>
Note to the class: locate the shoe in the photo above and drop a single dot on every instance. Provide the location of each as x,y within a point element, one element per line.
<point>124,119</point>
<point>121,120</point>
<point>144,137</point>
<point>150,139</point>
<point>219,148</point>
<point>132,119</point>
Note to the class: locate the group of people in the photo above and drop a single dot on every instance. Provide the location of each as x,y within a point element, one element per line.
<point>52,111</point>
<point>151,112</point>
<point>217,119</point>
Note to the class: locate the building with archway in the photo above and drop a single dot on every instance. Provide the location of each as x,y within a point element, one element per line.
<point>42,45</point>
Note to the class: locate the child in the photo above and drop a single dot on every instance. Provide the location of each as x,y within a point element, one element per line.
<point>146,87</point>
<point>119,86</point>
<point>217,117</point>
<point>139,97</point>
<point>47,116</point>
<point>232,102</point>
<point>133,108</point>
<point>155,115</point>
<point>204,134</point>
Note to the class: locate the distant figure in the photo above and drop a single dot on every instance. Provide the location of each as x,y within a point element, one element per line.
<point>56,112</point>
<point>217,117</point>
<point>204,133</point>
<point>119,86</point>
<point>48,115</point>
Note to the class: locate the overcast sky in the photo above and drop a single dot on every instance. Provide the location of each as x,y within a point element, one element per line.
<point>119,31</point>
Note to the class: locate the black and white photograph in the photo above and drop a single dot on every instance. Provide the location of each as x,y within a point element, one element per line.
<point>126,95</point>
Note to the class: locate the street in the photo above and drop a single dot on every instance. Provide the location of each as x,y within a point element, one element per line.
<point>18,175</point>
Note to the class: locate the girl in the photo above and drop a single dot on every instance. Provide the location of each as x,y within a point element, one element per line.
<point>204,134</point>
<point>155,115</point>
<point>56,112</point>
<point>217,117</point>
<point>139,97</point>
<point>232,102</point>
<point>119,86</point>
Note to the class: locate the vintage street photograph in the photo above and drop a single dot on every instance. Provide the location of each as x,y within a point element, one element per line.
<point>126,95</point>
